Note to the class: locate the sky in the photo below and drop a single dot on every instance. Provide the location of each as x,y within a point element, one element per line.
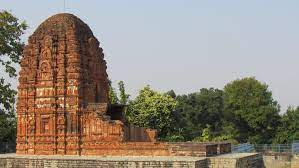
<point>186,45</point>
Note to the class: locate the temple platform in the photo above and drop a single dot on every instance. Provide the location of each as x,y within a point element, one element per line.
<point>244,160</point>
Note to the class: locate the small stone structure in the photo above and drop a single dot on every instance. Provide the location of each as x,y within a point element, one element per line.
<point>236,160</point>
<point>63,106</point>
<point>281,160</point>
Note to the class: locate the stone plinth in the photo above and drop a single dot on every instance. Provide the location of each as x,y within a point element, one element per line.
<point>40,161</point>
<point>244,160</point>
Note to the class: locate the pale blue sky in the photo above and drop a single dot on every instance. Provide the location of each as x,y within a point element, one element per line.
<point>187,45</point>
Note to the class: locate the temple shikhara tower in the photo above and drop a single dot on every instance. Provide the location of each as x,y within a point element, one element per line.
<point>63,105</point>
<point>63,92</point>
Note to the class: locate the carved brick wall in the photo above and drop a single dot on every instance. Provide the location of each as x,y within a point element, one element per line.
<point>62,70</point>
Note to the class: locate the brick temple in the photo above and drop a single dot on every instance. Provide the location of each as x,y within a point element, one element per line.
<point>63,105</point>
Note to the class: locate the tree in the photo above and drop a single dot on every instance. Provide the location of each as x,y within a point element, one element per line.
<point>7,127</point>
<point>197,110</point>
<point>226,134</point>
<point>113,99</point>
<point>11,46</point>
<point>250,107</point>
<point>123,96</point>
<point>288,131</point>
<point>205,135</point>
<point>151,109</point>
<point>171,93</point>
<point>11,49</point>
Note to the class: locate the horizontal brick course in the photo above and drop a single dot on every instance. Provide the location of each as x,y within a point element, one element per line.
<point>15,161</point>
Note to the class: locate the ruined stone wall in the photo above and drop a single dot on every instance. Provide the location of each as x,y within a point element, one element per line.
<point>139,134</point>
<point>281,160</point>
<point>237,160</point>
<point>223,148</point>
<point>277,161</point>
<point>150,149</point>
<point>126,149</point>
<point>192,149</point>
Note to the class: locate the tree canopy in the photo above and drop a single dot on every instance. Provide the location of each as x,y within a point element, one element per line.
<point>197,110</point>
<point>151,109</point>
<point>288,130</point>
<point>124,97</point>
<point>249,105</point>
<point>11,46</point>
<point>113,98</point>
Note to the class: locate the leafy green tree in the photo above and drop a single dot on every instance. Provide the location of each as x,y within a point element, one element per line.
<point>10,51</point>
<point>123,96</point>
<point>7,97</point>
<point>11,46</point>
<point>113,99</point>
<point>171,93</point>
<point>197,110</point>
<point>151,109</point>
<point>7,127</point>
<point>207,135</point>
<point>250,107</point>
<point>288,131</point>
<point>173,138</point>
